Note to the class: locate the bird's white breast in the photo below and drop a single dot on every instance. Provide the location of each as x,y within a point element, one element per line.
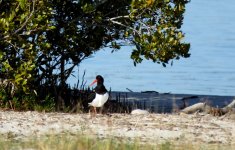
<point>100,99</point>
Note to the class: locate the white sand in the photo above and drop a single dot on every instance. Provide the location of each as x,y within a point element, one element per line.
<point>196,128</point>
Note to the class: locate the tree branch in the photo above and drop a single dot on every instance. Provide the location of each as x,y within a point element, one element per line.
<point>118,17</point>
<point>27,20</point>
<point>120,24</point>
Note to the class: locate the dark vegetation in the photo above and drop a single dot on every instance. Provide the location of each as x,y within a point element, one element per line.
<point>42,42</point>
<point>71,100</point>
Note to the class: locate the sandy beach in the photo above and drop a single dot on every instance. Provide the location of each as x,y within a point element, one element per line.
<point>151,128</point>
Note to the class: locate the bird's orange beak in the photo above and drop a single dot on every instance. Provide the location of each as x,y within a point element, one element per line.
<point>93,82</point>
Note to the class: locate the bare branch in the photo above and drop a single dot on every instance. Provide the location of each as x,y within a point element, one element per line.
<point>119,23</point>
<point>118,17</point>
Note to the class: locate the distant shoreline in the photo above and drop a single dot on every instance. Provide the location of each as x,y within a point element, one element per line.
<point>166,102</point>
<point>170,93</point>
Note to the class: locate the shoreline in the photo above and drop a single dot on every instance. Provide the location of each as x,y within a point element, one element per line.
<point>159,128</point>
<point>168,102</point>
<point>171,93</point>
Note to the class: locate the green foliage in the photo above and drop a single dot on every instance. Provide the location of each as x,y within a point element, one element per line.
<point>3,96</point>
<point>19,100</point>
<point>21,24</point>
<point>47,105</point>
<point>157,30</point>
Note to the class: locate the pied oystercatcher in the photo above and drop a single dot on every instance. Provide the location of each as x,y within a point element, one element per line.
<point>101,93</point>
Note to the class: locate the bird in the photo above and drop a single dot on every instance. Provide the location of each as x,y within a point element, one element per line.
<point>101,93</point>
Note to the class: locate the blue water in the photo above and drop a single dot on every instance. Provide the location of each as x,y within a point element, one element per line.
<point>209,27</point>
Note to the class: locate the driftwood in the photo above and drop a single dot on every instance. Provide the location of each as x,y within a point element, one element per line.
<point>204,107</point>
<point>194,108</point>
<point>229,108</point>
<point>231,105</point>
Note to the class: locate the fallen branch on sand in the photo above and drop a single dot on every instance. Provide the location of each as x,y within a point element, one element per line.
<point>204,107</point>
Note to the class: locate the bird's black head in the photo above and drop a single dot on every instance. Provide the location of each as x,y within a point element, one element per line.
<point>100,88</point>
<point>100,79</point>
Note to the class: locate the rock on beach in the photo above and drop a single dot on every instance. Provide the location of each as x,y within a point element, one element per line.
<point>139,112</point>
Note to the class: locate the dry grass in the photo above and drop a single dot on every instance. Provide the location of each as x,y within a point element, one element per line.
<point>82,142</point>
<point>68,142</point>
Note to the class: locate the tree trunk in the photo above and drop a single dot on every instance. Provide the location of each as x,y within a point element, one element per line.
<point>59,98</point>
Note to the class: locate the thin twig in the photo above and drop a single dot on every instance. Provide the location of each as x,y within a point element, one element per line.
<point>118,23</point>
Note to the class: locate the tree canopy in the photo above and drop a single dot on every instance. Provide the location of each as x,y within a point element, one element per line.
<point>42,41</point>
<point>21,24</point>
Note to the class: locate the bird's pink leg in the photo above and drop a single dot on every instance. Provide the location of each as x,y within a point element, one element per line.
<point>95,111</point>
<point>91,111</point>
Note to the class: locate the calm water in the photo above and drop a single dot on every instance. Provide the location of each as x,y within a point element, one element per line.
<point>209,27</point>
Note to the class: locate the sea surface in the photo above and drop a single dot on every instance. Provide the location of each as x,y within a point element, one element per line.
<point>210,28</point>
